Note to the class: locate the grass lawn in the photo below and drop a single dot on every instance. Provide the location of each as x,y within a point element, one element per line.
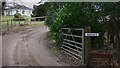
<point>28,18</point>
<point>32,24</point>
<point>4,24</point>
<point>5,18</point>
<point>37,24</point>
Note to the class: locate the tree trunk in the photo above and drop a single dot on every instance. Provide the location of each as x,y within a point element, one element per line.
<point>111,26</point>
<point>111,37</point>
<point>3,7</point>
<point>117,31</point>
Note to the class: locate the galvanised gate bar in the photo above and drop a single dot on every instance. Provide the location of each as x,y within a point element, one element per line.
<point>73,43</point>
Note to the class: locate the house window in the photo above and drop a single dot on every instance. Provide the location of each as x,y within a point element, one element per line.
<point>16,11</point>
<point>23,12</point>
<point>8,12</point>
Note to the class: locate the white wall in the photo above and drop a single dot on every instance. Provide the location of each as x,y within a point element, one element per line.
<point>13,11</point>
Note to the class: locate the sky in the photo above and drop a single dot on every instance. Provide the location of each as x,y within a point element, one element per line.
<point>28,3</point>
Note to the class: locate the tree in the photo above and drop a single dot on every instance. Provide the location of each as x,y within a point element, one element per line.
<point>77,15</point>
<point>3,6</point>
<point>111,21</point>
<point>39,10</point>
<point>101,17</point>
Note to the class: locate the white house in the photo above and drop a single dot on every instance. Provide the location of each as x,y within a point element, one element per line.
<point>11,8</point>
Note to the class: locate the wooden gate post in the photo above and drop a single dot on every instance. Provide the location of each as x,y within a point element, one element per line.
<point>87,49</point>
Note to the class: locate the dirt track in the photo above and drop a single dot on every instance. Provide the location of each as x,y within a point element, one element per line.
<point>27,48</point>
<point>0,51</point>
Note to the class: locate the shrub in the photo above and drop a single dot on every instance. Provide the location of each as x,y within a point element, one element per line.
<point>18,17</point>
<point>75,15</point>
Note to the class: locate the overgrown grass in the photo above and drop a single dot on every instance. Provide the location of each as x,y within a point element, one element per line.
<point>52,44</point>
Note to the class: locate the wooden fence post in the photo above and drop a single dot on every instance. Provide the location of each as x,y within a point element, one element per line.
<point>14,23</point>
<point>7,25</point>
<point>11,24</point>
<point>19,22</point>
<point>87,46</point>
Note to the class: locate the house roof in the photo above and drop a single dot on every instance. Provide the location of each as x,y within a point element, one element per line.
<point>12,5</point>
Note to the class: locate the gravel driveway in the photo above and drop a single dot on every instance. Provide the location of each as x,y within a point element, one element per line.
<point>27,48</point>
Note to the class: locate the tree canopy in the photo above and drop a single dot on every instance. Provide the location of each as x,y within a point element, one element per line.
<point>101,17</point>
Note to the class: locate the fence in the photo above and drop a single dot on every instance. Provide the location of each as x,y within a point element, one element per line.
<point>73,43</point>
<point>10,24</point>
<point>42,18</point>
<point>20,24</point>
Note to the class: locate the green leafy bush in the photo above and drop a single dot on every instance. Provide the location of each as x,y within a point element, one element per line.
<point>80,15</point>
<point>75,15</point>
<point>18,17</point>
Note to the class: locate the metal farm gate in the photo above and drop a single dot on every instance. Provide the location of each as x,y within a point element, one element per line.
<point>73,43</point>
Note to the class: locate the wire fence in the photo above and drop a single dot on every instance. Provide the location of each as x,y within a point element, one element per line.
<point>18,24</point>
<point>13,25</point>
